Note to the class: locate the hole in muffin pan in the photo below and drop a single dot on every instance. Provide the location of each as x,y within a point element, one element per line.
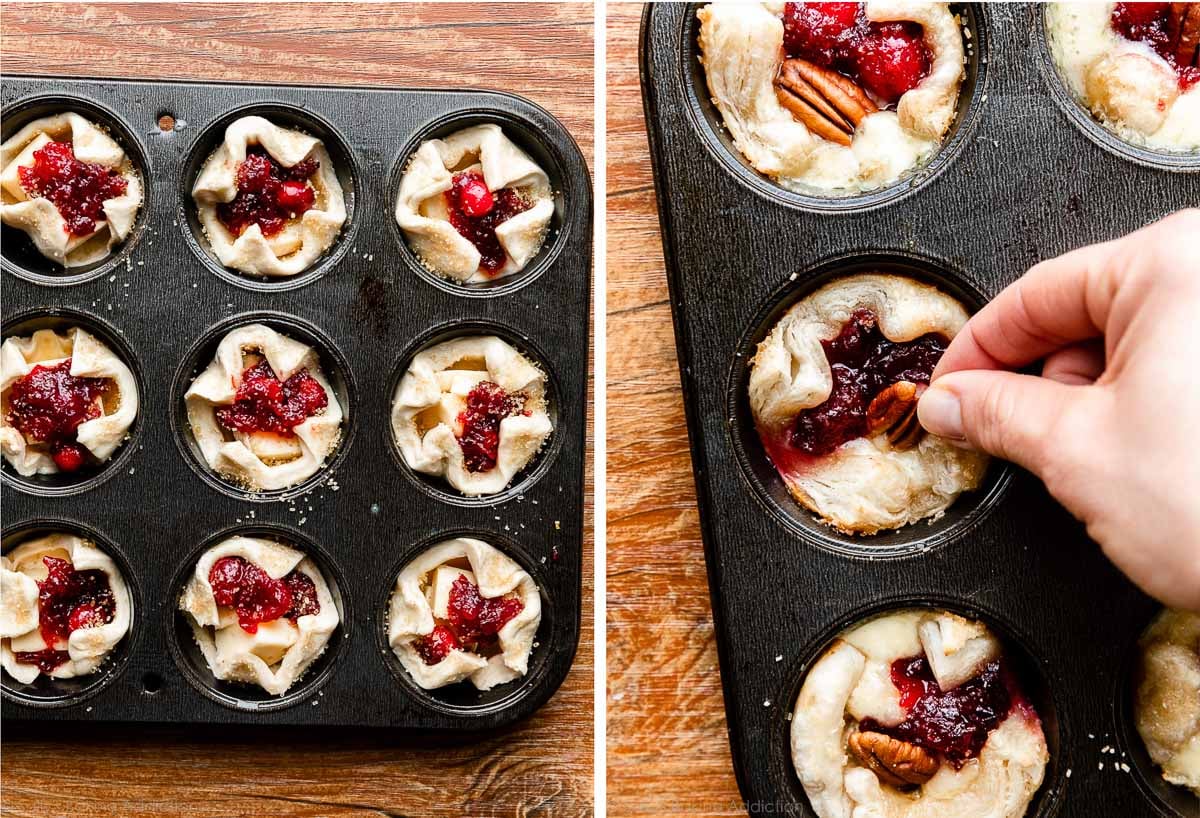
<point>1169,800</point>
<point>200,355</point>
<point>19,255</point>
<point>523,481</point>
<point>526,136</point>
<point>248,696</point>
<point>1030,670</point>
<point>48,692</point>
<point>915,539</point>
<point>151,683</point>
<point>286,116</point>
<point>1081,117</point>
<point>709,124</point>
<point>62,484</point>
<point>463,699</point>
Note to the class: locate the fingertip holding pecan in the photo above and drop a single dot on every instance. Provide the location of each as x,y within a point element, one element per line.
<point>825,102</point>
<point>893,412</point>
<point>896,763</point>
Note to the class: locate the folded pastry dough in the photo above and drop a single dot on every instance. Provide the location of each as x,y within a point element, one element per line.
<point>277,656</point>
<point>261,461</point>
<point>432,394</point>
<point>89,358</point>
<point>741,48</point>
<point>20,571</point>
<point>305,238</point>
<point>39,218</point>
<point>1126,85</point>
<point>1167,699</point>
<point>422,214</point>
<point>411,615</point>
<point>866,485</point>
<point>851,682</point>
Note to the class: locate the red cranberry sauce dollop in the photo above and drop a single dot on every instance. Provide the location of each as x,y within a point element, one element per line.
<point>863,363</point>
<point>953,723</point>
<point>269,194</point>
<point>472,623</point>
<point>49,404</point>
<point>67,601</point>
<point>1149,23</point>
<point>257,598</point>
<point>77,189</point>
<point>885,59</point>
<point>266,404</point>
<point>476,212</point>
<point>487,405</point>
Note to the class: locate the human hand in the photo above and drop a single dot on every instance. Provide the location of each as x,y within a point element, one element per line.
<point>1112,425</point>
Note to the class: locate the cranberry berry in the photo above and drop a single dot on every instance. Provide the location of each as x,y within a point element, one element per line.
<point>269,194</point>
<point>68,600</point>
<point>1149,23</point>
<point>487,405</point>
<point>475,212</point>
<point>256,597</point>
<point>472,623</point>
<point>49,404</point>
<point>77,189</point>
<point>265,404</point>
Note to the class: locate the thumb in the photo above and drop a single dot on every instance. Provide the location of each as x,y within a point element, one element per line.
<point>1005,414</point>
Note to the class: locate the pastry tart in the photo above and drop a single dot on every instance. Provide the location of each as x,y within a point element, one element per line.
<point>66,402</point>
<point>263,413</point>
<point>63,608</point>
<point>471,410</point>
<point>473,206</point>
<point>834,389</point>
<point>833,98</point>
<point>1167,696</point>
<point>1135,66</point>
<point>463,610</point>
<point>261,612</point>
<point>68,185</point>
<point>269,199</point>
<point>916,714</point>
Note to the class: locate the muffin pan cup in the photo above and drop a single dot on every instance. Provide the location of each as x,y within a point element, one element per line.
<point>364,515</point>
<point>1028,185</point>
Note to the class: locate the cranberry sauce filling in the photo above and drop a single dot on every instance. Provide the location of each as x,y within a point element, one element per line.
<point>472,623</point>
<point>954,723</point>
<point>476,212</point>
<point>487,405</point>
<point>1149,23</point>
<point>77,189</point>
<point>885,59</point>
<point>257,598</point>
<point>49,404</point>
<point>67,601</point>
<point>269,194</point>
<point>863,363</point>
<point>266,404</point>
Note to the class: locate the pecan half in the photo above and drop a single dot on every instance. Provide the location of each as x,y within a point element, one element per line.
<point>1183,29</point>
<point>894,762</point>
<point>825,102</point>
<point>894,413</point>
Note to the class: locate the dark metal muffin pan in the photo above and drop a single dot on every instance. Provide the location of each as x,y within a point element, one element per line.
<point>1024,184</point>
<point>163,302</point>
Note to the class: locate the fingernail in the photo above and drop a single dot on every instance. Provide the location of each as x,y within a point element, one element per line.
<point>941,413</point>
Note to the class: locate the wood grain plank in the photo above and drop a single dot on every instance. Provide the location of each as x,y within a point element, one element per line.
<point>668,754</point>
<point>541,767</point>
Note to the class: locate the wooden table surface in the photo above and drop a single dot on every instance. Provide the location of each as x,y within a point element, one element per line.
<point>541,767</point>
<point>668,752</point>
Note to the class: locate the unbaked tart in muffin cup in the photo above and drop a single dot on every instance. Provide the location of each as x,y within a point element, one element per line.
<point>67,402</point>
<point>1167,696</point>
<point>64,607</point>
<point>261,612</point>
<point>834,99</point>
<point>917,714</point>
<point>269,199</point>
<point>70,187</point>
<point>833,390</point>
<point>263,413</point>
<point>473,206</point>
<point>1135,66</point>
<point>463,610</point>
<point>472,411</point>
